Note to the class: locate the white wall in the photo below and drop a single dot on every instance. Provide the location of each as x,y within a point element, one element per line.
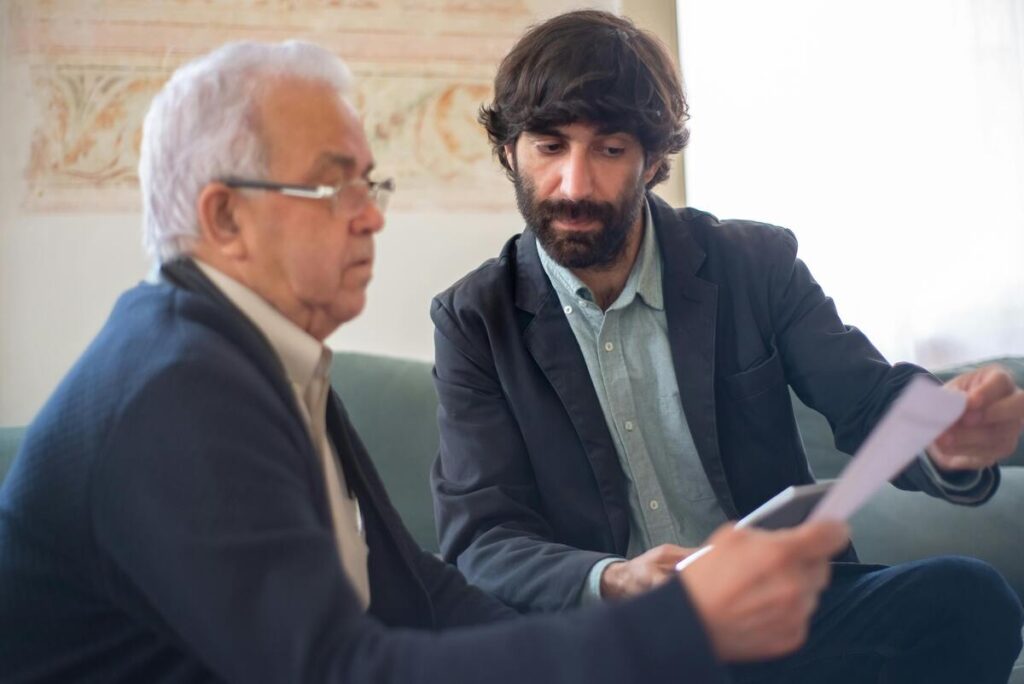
<point>889,136</point>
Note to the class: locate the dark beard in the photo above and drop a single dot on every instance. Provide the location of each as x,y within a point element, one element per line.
<point>596,249</point>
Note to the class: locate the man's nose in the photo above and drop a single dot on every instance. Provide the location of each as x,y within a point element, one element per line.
<point>577,176</point>
<point>370,219</point>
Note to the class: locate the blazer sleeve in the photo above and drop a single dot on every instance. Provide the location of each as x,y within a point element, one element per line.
<point>207,530</point>
<point>490,519</point>
<point>836,370</point>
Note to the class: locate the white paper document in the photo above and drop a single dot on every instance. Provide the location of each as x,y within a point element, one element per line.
<point>920,414</point>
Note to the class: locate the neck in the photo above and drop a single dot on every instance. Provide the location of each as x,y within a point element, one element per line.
<point>606,282</point>
<point>312,321</point>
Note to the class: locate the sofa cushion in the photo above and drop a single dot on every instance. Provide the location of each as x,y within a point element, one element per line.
<point>897,526</point>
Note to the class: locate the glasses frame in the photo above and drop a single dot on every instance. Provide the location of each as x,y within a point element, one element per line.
<point>378,192</point>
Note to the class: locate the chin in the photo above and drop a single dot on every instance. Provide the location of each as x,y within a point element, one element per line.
<point>350,307</point>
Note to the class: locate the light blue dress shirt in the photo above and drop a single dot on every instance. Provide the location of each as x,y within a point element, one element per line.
<point>627,353</point>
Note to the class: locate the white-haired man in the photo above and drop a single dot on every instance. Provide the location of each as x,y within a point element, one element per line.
<point>192,503</point>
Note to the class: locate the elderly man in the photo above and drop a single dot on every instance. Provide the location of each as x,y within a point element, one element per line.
<point>615,384</point>
<point>192,503</point>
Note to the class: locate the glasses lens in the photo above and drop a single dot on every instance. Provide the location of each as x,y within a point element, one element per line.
<point>353,198</point>
<point>381,193</point>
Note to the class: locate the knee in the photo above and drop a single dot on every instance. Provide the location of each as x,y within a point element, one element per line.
<point>981,595</point>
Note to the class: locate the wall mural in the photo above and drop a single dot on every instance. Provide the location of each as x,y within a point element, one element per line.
<point>423,68</point>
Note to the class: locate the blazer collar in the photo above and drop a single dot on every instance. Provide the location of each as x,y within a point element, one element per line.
<point>532,285</point>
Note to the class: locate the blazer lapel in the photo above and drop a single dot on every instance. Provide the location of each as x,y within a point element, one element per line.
<point>691,307</point>
<point>553,346</point>
<point>383,529</point>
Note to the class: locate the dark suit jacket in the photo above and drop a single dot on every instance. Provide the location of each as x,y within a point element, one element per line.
<point>167,520</point>
<point>529,492</point>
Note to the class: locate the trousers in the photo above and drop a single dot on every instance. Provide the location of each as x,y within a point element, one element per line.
<point>942,620</point>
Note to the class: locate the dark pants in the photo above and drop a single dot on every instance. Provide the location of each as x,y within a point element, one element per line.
<point>940,620</point>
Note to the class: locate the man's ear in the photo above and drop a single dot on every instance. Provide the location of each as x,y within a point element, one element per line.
<point>652,169</point>
<point>510,156</point>
<point>217,209</point>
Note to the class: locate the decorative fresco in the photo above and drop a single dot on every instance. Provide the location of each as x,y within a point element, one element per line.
<point>424,67</point>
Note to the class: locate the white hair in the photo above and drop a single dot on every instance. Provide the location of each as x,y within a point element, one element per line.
<point>202,126</point>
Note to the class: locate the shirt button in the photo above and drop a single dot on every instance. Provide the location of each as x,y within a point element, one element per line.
<point>608,346</point>
<point>629,426</point>
<point>654,504</point>
<point>568,309</point>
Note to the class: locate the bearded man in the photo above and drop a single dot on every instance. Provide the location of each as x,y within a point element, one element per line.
<point>615,385</point>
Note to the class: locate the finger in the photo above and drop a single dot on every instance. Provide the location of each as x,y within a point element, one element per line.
<point>967,463</point>
<point>988,443</point>
<point>724,533</point>
<point>1007,410</point>
<point>817,575</point>
<point>810,603</point>
<point>993,383</point>
<point>669,551</point>
<point>818,539</point>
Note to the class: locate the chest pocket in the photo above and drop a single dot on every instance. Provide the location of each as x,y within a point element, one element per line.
<point>762,377</point>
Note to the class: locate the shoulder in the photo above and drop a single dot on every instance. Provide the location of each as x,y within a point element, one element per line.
<point>734,251</point>
<point>483,301</point>
<point>159,342</point>
<point>492,280</point>
<point>737,238</point>
<point>483,309</point>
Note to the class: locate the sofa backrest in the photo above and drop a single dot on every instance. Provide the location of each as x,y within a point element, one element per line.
<point>393,406</point>
<point>826,461</point>
<point>10,438</point>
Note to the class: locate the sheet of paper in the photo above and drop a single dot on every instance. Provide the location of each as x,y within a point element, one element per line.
<point>920,414</point>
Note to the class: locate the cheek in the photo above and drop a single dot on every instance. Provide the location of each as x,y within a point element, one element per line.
<point>316,270</point>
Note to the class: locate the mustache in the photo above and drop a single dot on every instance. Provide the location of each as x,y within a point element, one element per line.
<point>574,210</point>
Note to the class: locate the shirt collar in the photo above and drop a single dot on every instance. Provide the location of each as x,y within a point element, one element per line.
<point>303,356</point>
<point>644,278</point>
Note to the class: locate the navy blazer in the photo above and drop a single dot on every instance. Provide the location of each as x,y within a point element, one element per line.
<point>528,489</point>
<point>166,520</point>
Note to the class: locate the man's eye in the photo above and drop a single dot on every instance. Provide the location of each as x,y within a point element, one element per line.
<point>549,147</point>
<point>612,151</point>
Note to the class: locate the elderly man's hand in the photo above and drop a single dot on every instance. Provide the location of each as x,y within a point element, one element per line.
<point>755,591</point>
<point>990,427</point>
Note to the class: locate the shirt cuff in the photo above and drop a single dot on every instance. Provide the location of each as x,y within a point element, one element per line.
<point>592,586</point>
<point>959,482</point>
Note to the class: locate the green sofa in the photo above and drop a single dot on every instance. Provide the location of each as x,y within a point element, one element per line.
<point>397,422</point>
<point>393,405</point>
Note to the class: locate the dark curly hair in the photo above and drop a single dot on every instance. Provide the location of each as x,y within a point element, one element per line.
<point>592,67</point>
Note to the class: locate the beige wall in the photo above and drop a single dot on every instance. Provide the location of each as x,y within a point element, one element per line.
<point>69,226</point>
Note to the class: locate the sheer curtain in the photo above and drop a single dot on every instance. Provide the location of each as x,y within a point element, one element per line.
<point>889,136</point>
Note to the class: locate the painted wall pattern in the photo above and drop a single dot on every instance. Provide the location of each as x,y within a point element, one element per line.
<point>423,69</point>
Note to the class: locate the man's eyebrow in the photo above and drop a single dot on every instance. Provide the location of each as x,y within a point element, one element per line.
<point>612,130</point>
<point>327,160</point>
<point>546,132</point>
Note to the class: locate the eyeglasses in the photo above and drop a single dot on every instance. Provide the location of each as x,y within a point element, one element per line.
<point>347,198</point>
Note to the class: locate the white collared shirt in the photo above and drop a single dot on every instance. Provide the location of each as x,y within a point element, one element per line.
<point>307,363</point>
